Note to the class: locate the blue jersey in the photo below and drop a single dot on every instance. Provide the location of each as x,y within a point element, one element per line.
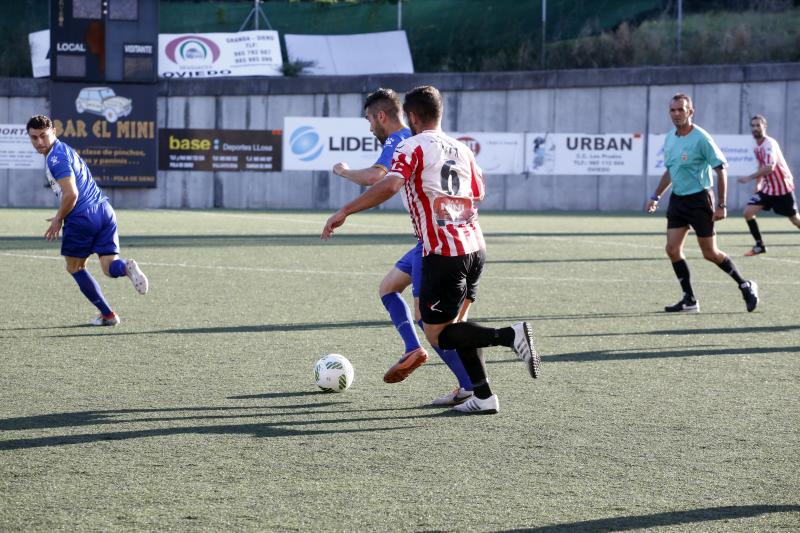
<point>385,159</point>
<point>62,162</point>
<point>690,159</point>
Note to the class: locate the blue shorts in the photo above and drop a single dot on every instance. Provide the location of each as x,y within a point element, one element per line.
<point>411,264</point>
<point>92,231</point>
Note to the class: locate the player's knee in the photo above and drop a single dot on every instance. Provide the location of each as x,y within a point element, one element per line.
<point>73,269</point>
<point>448,338</point>
<point>715,256</point>
<point>674,252</point>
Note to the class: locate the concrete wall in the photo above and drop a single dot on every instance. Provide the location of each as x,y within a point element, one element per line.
<point>587,101</point>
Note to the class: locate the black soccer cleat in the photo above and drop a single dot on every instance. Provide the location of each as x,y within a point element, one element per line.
<point>686,305</point>
<point>750,294</point>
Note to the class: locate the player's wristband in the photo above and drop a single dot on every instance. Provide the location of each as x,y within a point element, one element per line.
<point>723,205</point>
<point>655,197</point>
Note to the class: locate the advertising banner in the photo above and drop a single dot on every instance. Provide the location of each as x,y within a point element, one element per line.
<point>616,154</point>
<point>496,153</point>
<point>318,143</point>
<point>361,53</point>
<point>738,150</point>
<point>213,55</point>
<point>209,150</point>
<point>112,127</point>
<point>16,150</point>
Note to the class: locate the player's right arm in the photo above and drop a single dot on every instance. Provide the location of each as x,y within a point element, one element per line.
<point>69,197</point>
<point>661,188</point>
<point>366,177</point>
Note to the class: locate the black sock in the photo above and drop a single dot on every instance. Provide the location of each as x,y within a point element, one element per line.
<point>475,365</point>
<point>755,232</point>
<point>728,266</point>
<point>681,269</point>
<point>470,335</point>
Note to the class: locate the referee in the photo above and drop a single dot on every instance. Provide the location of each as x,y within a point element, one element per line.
<point>689,156</point>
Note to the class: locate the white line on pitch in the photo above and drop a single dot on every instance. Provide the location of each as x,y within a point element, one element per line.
<point>549,279</point>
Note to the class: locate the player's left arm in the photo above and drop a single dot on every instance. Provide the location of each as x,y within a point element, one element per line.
<point>374,196</point>
<point>721,210</point>
<point>69,197</point>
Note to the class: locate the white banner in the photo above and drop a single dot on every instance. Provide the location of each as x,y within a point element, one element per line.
<point>318,143</point>
<point>362,53</point>
<point>738,150</point>
<point>16,150</point>
<point>616,154</point>
<point>40,53</point>
<point>496,153</point>
<point>212,55</point>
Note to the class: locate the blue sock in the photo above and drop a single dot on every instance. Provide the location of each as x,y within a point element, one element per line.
<point>91,290</point>
<point>401,318</point>
<point>453,362</point>
<point>117,268</point>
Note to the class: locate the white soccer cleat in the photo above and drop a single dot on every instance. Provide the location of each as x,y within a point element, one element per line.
<point>457,396</point>
<point>100,320</point>
<point>476,406</point>
<point>524,348</point>
<point>137,277</point>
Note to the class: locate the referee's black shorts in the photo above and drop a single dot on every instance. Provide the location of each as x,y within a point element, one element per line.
<point>695,210</point>
<point>446,282</point>
<point>782,204</point>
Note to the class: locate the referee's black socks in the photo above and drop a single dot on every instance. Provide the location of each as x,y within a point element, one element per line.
<point>728,266</point>
<point>470,335</point>
<point>681,269</point>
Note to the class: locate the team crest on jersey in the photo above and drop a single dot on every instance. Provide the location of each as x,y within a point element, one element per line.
<point>684,157</point>
<point>54,160</point>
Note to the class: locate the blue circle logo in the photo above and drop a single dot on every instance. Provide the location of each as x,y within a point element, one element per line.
<point>305,143</point>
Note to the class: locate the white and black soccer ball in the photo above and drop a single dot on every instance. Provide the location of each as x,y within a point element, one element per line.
<point>334,373</point>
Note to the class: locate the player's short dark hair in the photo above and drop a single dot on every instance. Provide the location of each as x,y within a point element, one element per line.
<point>39,122</point>
<point>425,102</point>
<point>760,118</point>
<point>682,96</point>
<point>385,100</point>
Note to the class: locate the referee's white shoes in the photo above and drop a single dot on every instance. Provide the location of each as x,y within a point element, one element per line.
<point>455,397</point>
<point>686,305</point>
<point>476,406</point>
<point>524,348</point>
<point>137,277</point>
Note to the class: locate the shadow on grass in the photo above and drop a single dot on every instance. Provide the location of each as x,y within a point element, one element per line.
<point>698,331</point>
<point>585,260</point>
<point>674,518</point>
<point>617,355</point>
<point>285,428</point>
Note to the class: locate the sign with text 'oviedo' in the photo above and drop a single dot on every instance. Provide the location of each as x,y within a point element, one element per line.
<point>575,154</point>
<point>318,143</point>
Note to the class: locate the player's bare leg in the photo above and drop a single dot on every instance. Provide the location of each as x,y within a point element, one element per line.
<point>795,219</point>
<point>708,245</point>
<point>390,289</point>
<point>114,267</point>
<point>76,266</point>
<point>676,238</point>
<point>750,212</point>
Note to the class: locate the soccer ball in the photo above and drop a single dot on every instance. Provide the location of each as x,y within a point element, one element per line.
<point>333,373</point>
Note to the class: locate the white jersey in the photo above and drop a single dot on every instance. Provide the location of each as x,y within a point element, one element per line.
<point>779,181</point>
<point>442,185</point>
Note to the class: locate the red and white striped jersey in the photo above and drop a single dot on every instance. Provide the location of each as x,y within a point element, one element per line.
<point>780,180</point>
<point>442,185</point>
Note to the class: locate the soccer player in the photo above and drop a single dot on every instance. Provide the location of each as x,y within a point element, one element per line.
<point>690,154</point>
<point>775,184</point>
<point>441,183</point>
<point>86,218</point>
<point>382,109</point>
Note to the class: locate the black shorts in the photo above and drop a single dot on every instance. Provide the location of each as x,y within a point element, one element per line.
<point>783,204</point>
<point>446,282</point>
<point>695,210</point>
